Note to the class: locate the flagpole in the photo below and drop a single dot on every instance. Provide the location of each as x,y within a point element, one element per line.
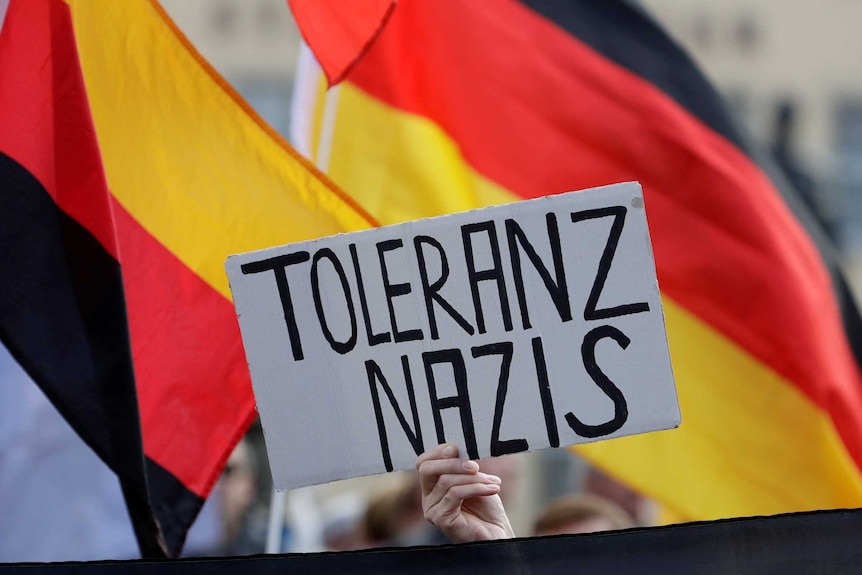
<point>276,522</point>
<point>327,128</point>
<point>279,498</point>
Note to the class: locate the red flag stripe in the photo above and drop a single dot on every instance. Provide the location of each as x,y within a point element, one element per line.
<point>193,383</point>
<point>37,71</point>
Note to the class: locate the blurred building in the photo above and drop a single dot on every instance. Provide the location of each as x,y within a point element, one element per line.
<point>252,43</point>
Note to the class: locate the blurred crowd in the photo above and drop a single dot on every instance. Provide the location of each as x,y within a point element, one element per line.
<point>387,511</point>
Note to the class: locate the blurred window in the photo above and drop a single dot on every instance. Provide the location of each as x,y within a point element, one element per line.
<point>223,19</point>
<point>746,33</point>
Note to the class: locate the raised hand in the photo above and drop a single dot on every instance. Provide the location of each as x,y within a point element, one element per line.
<point>461,501</point>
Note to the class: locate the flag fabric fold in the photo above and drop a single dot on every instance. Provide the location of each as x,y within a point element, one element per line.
<point>461,104</point>
<point>339,32</point>
<point>129,171</point>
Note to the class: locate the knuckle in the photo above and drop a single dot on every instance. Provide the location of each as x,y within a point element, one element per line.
<point>446,481</point>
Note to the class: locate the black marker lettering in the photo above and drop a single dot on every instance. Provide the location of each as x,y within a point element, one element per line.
<point>373,338</point>
<point>277,265</point>
<point>505,350</point>
<point>341,347</point>
<point>375,375</point>
<point>394,290</point>
<point>545,392</point>
<point>590,311</point>
<point>557,290</point>
<point>621,410</point>
<point>493,274</point>
<point>431,291</point>
<point>461,400</point>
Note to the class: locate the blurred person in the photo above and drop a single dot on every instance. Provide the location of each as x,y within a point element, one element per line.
<point>640,508</point>
<point>581,513</point>
<point>394,516</point>
<point>243,523</point>
<point>342,522</point>
<point>390,509</point>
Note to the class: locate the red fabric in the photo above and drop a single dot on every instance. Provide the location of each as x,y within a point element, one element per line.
<point>51,131</point>
<point>194,391</point>
<point>340,31</point>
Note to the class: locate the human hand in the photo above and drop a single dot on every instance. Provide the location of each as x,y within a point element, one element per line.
<point>460,500</point>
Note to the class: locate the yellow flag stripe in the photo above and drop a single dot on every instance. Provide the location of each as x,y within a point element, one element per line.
<point>402,167</point>
<point>741,420</point>
<point>202,212</point>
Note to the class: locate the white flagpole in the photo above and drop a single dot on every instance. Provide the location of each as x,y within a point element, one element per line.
<point>305,90</point>
<point>276,521</point>
<point>327,129</point>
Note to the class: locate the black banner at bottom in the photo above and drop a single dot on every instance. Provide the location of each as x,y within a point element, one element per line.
<point>813,542</point>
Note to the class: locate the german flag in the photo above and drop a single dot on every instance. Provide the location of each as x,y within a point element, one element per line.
<point>460,104</point>
<point>129,171</point>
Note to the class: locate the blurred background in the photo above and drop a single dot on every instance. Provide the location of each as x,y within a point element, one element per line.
<point>788,68</point>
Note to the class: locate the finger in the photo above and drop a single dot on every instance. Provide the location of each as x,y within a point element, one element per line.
<point>442,451</point>
<point>431,469</point>
<point>447,510</point>
<point>449,482</point>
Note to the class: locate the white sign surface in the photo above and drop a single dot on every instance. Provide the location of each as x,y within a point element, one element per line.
<point>518,327</point>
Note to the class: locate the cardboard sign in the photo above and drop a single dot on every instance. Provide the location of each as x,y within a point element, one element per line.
<point>518,327</point>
